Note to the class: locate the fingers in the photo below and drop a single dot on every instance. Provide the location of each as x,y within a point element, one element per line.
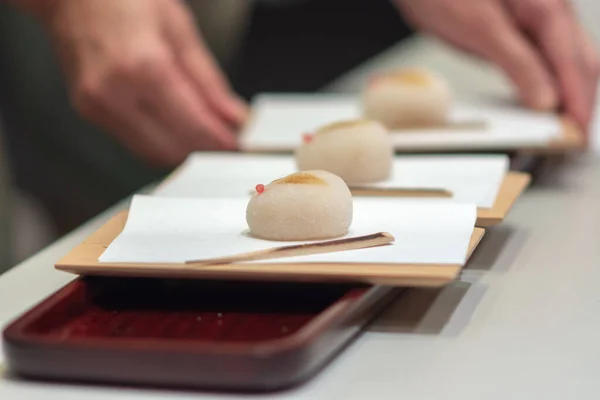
<point>485,28</point>
<point>135,128</point>
<point>199,65</point>
<point>183,112</point>
<point>503,43</point>
<point>567,50</point>
<point>151,107</point>
<point>591,60</point>
<point>589,53</point>
<point>557,39</point>
<point>538,43</point>
<point>591,64</point>
<point>207,78</point>
<point>125,76</point>
<point>149,138</point>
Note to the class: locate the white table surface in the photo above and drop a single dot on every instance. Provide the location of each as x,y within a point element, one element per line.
<point>521,323</point>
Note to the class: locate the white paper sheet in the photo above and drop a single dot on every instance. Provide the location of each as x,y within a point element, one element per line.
<point>175,230</point>
<point>280,120</point>
<point>471,179</point>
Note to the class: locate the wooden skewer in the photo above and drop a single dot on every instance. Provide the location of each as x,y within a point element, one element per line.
<point>329,246</point>
<point>399,192</point>
<point>468,125</point>
<point>395,192</point>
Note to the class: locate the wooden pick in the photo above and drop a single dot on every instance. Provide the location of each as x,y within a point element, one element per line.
<point>475,125</point>
<point>399,192</point>
<point>395,192</point>
<point>329,246</point>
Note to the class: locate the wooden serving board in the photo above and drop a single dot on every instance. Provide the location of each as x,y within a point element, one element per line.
<point>513,185</point>
<point>572,139</point>
<point>83,260</point>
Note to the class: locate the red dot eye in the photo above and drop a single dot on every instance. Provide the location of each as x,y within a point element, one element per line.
<point>260,188</point>
<point>307,138</point>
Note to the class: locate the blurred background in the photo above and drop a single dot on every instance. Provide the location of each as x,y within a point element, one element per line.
<point>57,171</point>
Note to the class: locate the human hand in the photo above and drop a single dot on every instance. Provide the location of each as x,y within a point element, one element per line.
<point>139,69</point>
<point>538,43</point>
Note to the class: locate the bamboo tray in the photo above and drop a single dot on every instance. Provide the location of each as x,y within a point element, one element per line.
<point>83,260</point>
<point>571,139</point>
<point>511,188</point>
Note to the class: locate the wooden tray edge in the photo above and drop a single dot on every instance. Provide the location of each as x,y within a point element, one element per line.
<point>83,260</point>
<point>513,186</point>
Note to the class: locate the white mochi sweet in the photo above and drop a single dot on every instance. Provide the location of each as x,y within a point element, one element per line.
<point>358,151</point>
<point>410,98</point>
<point>307,205</point>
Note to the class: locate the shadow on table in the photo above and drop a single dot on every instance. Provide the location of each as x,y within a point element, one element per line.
<point>447,311</point>
<point>444,311</point>
<point>498,249</point>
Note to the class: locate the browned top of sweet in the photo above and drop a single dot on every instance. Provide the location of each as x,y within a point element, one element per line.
<point>408,77</point>
<point>301,178</point>
<point>342,124</point>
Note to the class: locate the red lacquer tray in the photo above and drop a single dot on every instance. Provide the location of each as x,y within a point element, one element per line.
<point>189,333</point>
